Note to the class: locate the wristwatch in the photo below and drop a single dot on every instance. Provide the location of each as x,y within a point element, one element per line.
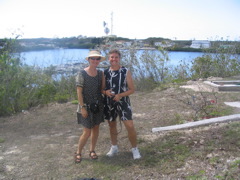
<point>82,106</point>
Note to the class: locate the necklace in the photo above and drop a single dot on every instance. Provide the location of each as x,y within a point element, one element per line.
<point>115,68</point>
<point>113,75</point>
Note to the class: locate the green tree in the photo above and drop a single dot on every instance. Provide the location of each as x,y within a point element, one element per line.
<point>224,62</point>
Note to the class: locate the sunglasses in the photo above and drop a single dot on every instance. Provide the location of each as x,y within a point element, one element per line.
<point>98,59</point>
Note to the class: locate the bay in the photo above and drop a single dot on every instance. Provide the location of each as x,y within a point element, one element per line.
<point>177,57</point>
<point>56,57</point>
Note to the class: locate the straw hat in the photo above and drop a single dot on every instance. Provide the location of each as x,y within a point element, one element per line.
<point>95,53</point>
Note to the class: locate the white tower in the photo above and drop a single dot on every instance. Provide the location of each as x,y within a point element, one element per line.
<point>105,25</point>
<point>111,23</point>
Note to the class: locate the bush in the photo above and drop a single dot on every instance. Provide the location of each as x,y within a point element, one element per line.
<point>22,86</point>
<point>224,62</point>
<point>61,98</point>
<point>74,102</point>
<point>145,84</point>
<point>45,93</point>
<point>11,81</point>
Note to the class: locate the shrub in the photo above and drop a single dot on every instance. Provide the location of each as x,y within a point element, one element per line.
<point>74,102</point>
<point>45,93</point>
<point>61,98</point>
<point>224,62</point>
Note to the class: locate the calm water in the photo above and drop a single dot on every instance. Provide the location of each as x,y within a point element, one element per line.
<point>177,57</point>
<point>63,56</point>
<point>54,57</point>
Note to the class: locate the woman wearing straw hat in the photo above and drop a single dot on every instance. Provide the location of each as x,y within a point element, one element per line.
<point>117,87</point>
<point>90,107</point>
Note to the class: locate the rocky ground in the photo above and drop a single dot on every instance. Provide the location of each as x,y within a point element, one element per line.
<point>40,143</point>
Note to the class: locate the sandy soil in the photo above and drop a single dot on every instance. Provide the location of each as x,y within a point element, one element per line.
<point>40,143</point>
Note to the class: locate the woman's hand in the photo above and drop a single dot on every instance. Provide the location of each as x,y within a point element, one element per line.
<point>109,93</point>
<point>117,97</point>
<point>84,112</point>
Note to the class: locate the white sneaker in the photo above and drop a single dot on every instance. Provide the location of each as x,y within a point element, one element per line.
<point>136,153</point>
<point>113,151</point>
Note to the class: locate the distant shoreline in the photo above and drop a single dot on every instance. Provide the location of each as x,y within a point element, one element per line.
<point>147,48</point>
<point>41,44</point>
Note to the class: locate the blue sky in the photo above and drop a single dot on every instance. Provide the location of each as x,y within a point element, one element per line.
<point>140,19</point>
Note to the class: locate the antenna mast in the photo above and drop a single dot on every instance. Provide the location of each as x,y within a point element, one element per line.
<point>111,23</point>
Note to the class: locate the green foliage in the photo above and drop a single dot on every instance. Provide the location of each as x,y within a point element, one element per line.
<point>61,98</point>
<point>198,176</point>
<point>223,63</point>
<point>74,102</point>
<point>186,49</point>
<point>205,105</point>
<point>66,86</point>
<point>180,73</point>
<point>232,135</point>
<point>148,67</point>
<point>9,79</point>
<point>232,171</point>
<point>155,64</point>
<point>178,119</point>
<point>46,93</point>
<point>202,67</point>
<point>218,111</point>
<point>145,84</point>
<point>167,154</point>
<point>22,86</point>
<point>2,140</point>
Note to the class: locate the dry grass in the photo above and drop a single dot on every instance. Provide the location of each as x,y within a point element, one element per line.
<point>40,143</point>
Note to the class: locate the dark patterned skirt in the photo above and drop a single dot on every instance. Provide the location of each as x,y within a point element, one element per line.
<point>92,119</point>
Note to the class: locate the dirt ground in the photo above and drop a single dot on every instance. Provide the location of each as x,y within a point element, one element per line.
<point>40,143</point>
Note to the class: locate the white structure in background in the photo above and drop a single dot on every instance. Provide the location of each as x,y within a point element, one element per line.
<point>106,29</point>
<point>111,23</point>
<point>200,44</point>
<point>164,44</point>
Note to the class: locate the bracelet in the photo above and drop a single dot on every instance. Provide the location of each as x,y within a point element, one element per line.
<point>104,92</point>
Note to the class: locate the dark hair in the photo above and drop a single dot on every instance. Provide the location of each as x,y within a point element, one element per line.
<point>115,51</point>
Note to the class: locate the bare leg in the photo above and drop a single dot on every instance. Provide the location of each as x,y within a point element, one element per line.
<point>132,135</point>
<point>113,131</point>
<point>94,137</point>
<point>83,139</point>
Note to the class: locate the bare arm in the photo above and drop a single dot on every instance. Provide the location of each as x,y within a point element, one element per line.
<point>80,101</point>
<point>108,91</point>
<point>103,84</point>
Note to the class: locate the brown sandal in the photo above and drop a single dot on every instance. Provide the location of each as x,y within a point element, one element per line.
<point>93,155</point>
<point>78,157</point>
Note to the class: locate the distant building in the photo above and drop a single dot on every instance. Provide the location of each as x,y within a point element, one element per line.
<point>128,44</point>
<point>139,43</point>
<point>200,44</point>
<point>119,43</point>
<point>164,44</point>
